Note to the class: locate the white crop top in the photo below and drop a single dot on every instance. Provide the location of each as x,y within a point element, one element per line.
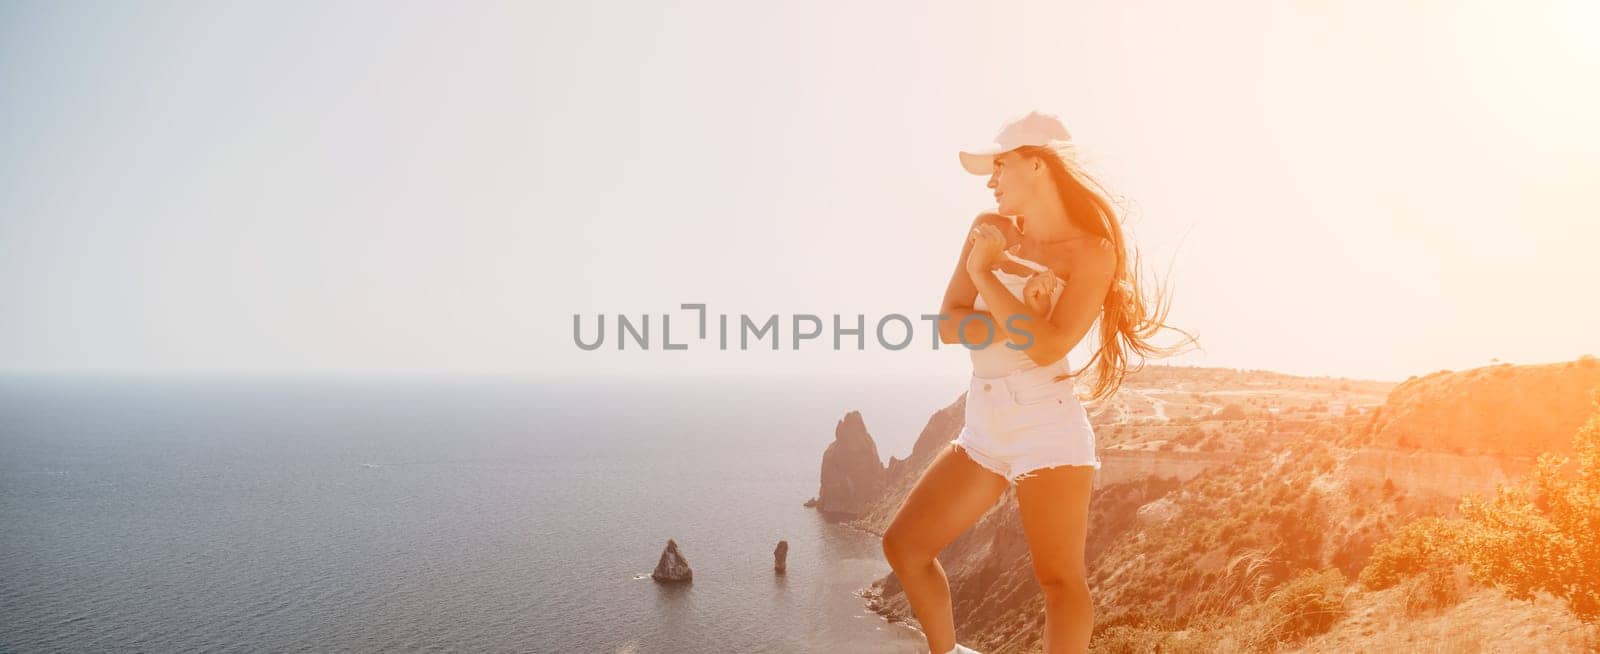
<point>998,360</point>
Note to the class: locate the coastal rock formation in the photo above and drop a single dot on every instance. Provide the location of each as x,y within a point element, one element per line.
<point>852,474</point>
<point>941,427</point>
<point>780,557</point>
<point>672,566</point>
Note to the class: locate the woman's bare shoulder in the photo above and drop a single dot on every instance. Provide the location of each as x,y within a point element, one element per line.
<point>1094,255</point>
<point>1007,226</point>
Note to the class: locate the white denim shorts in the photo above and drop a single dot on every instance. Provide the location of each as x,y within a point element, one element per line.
<point>1022,422</point>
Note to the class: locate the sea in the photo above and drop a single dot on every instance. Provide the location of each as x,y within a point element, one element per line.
<point>426,513</point>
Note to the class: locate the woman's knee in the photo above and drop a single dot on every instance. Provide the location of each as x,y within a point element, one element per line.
<point>1064,584</point>
<point>901,550</point>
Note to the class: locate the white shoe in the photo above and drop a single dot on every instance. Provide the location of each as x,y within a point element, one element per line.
<point>963,649</point>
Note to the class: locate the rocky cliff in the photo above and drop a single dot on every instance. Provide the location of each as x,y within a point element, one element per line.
<point>1436,473</point>
<point>1123,466</point>
<point>1506,410</point>
<point>942,426</point>
<point>853,476</point>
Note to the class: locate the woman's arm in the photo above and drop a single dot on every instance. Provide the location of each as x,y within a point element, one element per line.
<point>1088,278</point>
<point>960,294</point>
<point>1016,314</point>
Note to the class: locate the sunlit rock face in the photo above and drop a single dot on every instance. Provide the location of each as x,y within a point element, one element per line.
<point>853,476</point>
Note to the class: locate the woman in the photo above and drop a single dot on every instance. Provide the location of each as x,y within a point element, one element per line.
<point>1024,293</point>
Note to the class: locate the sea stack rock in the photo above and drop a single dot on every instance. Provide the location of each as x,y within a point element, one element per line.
<point>780,557</point>
<point>852,474</point>
<point>672,567</point>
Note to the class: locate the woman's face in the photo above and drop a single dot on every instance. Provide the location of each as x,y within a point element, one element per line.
<point>1015,182</point>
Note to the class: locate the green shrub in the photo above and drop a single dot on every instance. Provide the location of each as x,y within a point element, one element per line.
<point>1435,588</point>
<point>1427,542</point>
<point>1231,412</point>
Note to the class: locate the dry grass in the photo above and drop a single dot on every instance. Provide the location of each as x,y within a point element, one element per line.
<point>1485,620</point>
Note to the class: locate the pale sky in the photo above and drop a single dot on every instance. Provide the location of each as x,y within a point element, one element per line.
<point>1368,189</point>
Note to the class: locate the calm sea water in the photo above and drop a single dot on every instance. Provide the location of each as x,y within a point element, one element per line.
<point>438,515</point>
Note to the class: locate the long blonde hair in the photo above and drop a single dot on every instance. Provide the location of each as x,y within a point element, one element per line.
<point>1128,320</point>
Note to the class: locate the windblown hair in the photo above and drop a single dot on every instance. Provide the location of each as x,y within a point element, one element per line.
<point>1128,320</point>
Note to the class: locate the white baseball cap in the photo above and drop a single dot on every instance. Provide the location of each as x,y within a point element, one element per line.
<point>1033,129</point>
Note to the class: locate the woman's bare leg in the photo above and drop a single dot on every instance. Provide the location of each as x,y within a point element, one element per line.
<point>1054,503</point>
<point>950,496</point>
